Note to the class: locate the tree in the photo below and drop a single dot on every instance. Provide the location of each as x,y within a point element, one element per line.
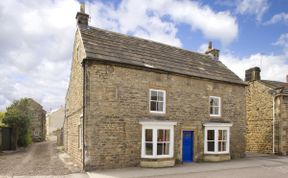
<point>18,117</point>
<point>2,114</point>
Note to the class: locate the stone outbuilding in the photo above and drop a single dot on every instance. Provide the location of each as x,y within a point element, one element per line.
<point>54,120</point>
<point>38,120</point>
<point>267,114</point>
<point>136,102</point>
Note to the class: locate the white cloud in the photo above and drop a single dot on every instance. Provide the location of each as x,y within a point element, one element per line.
<point>158,19</point>
<point>283,42</point>
<point>273,67</point>
<point>36,43</point>
<point>278,18</point>
<point>36,39</point>
<point>252,7</point>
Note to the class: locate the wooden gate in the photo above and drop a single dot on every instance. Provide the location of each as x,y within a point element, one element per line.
<point>6,138</point>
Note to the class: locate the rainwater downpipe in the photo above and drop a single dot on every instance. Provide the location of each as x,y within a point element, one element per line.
<point>273,126</point>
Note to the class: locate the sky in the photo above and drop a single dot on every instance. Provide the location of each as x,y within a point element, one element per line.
<point>36,39</point>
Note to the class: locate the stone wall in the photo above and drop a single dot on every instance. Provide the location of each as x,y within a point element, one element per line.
<point>282,114</point>
<point>259,105</point>
<point>37,122</point>
<point>74,103</point>
<point>118,97</point>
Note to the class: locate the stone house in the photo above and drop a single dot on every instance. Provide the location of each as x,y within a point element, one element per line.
<point>135,102</point>
<point>267,114</point>
<point>54,120</point>
<point>38,120</point>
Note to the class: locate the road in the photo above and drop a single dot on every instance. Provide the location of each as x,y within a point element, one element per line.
<point>38,159</point>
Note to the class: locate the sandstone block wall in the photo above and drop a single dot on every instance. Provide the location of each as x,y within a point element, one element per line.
<point>37,122</point>
<point>282,116</point>
<point>259,118</point>
<point>118,97</point>
<point>74,103</point>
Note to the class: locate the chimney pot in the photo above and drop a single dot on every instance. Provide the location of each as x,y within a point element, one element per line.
<point>252,74</point>
<point>81,17</point>
<point>82,7</point>
<point>213,52</point>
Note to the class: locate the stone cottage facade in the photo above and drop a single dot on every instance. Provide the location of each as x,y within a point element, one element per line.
<point>267,114</point>
<point>38,120</point>
<point>135,102</point>
<point>54,120</point>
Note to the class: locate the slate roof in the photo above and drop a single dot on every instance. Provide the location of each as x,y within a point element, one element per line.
<point>276,85</point>
<point>113,47</point>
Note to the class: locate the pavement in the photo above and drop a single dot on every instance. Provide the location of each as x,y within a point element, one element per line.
<point>269,165</point>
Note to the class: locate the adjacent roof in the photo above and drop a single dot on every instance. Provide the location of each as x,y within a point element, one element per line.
<point>113,47</point>
<point>276,85</point>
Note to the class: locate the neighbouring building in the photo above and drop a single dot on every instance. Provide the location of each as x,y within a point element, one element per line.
<point>135,102</point>
<point>54,120</point>
<point>38,122</point>
<point>267,114</point>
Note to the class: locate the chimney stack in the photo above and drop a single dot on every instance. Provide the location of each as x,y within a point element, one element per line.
<point>81,17</point>
<point>287,78</point>
<point>252,74</point>
<point>213,52</point>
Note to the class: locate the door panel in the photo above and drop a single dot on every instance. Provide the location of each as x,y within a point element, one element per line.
<point>187,146</point>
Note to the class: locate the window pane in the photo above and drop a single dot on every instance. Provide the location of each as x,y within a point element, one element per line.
<point>215,102</point>
<point>154,95</point>
<point>225,135</point>
<point>210,135</point>
<point>220,135</point>
<point>211,110</point>
<point>167,135</point>
<point>160,134</point>
<point>160,96</point>
<point>210,146</point>
<point>163,135</point>
<point>148,135</point>
<point>166,148</point>
<point>224,146</point>
<point>163,149</point>
<point>160,106</point>
<point>148,148</point>
<point>216,110</point>
<point>153,106</point>
<point>211,102</point>
<point>221,146</point>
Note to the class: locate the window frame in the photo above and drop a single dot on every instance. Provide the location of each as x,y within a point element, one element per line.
<point>164,101</point>
<point>216,127</point>
<point>220,106</point>
<point>155,126</point>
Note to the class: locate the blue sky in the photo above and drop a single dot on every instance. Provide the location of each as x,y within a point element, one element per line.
<point>36,43</point>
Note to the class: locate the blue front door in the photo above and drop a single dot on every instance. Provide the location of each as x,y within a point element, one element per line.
<point>187,146</point>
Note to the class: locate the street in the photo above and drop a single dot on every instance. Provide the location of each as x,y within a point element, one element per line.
<point>43,159</point>
<point>39,159</point>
